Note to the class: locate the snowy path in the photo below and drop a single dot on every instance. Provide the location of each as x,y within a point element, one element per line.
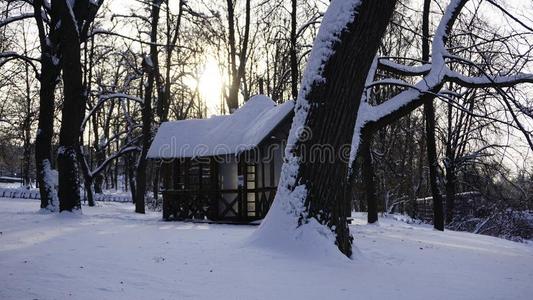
<point>111,253</point>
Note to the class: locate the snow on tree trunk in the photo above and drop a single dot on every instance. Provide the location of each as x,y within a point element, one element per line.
<point>310,204</point>
<point>50,70</point>
<point>43,142</point>
<point>73,109</point>
<point>47,178</point>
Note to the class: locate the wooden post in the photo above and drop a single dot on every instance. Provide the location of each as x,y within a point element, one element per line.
<point>175,174</point>
<point>215,194</point>
<point>241,188</point>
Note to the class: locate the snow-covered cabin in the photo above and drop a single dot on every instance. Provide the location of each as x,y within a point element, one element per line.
<point>223,168</point>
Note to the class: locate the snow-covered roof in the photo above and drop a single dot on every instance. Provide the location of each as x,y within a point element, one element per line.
<point>220,135</point>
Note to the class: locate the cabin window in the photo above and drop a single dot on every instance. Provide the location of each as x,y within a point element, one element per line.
<point>250,187</point>
<point>193,175</point>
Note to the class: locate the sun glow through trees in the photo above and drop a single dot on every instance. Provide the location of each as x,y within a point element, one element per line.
<point>210,86</point>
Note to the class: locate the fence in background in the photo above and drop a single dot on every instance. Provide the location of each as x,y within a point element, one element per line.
<point>34,194</point>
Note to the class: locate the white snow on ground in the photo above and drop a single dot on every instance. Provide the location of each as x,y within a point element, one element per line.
<point>111,253</point>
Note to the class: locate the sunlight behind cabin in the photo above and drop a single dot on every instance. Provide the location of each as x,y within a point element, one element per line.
<point>210,85</point>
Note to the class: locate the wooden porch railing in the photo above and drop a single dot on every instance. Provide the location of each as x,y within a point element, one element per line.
<point>214,204</point>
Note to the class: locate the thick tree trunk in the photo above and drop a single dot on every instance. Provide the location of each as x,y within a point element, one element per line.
<point>72,113</point>
<point>43,138</point>
<point>45,131</point>
<point>150,66</point>
<point>429,112</point>
<point>328,110</point>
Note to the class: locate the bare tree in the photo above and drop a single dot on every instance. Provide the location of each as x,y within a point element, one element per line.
<point>72,32</point>
<point>429,112</point>
<point>237,53</point>
<point>46,21</point>
<point>327,108</point>
<point>150,65</point>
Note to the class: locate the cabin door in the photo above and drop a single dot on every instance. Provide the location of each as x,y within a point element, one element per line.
<point>229,186</point>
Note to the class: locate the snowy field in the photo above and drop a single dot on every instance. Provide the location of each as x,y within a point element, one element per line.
<point>111,253</point>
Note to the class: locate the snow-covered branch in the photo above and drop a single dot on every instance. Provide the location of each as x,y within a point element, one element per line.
<point>433,81</point>
<point>124,150</point>
<point>116,136</point>
<point>107,32</point>
<point>390,81</point>
<point>121,96</point>
<point>487,80</point>
<point>416,94</point>
<point>315,20</point>
<point>404,70</point>
<point>108,97</point>
<point>15,19</point>
<point>8,56</point>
